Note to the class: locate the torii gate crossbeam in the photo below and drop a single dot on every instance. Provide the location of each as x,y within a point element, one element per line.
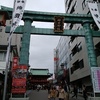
<point>49,31</point>
<point>49,17</point>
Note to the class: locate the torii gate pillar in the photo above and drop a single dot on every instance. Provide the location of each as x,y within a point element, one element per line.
<point>24,53</point>
<point>90,45</point>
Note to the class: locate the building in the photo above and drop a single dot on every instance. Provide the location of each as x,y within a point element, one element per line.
<point>38,77</point>
<point>74,53</point>
<point>14,51</point>
<point>15,44</point>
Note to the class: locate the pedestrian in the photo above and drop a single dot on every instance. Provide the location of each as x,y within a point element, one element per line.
<point>85,92</point>
<point>49,92</point>
<point>62,94</point>
<point>53,93</point>
<point>38,87</point>
<point>75,90</point>
<point>66,92</point>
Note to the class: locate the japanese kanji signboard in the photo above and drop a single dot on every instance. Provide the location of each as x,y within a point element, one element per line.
<point>95,71</point>
<point>58,24</point>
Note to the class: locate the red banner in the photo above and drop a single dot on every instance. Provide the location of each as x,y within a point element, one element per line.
<point>19,86</point>
<point>19,79</point>
<point>56,59</point>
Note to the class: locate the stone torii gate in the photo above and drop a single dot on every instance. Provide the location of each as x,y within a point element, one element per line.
<point>27,30</point>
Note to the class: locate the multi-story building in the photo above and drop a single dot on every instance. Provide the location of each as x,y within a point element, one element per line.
<point>72,51</point>
<point>14,51</point>
<point>15,43</point>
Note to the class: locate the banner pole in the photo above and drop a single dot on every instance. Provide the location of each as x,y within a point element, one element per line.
<point>7,66</point>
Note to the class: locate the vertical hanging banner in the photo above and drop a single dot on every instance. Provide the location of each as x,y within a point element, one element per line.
<point>18,10</point>
<point>94,12</point>
<point>18,71</point>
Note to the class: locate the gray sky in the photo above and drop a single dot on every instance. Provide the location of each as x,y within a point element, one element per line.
<point>41,47</point>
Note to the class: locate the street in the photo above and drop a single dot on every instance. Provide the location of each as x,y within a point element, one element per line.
<point>43,95</point>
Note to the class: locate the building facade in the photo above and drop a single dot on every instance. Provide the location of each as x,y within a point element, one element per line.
<point>14,51</point>
<point>15,48</point>
<point>38,77</point>
<point>15,44</point>
<point>72,51</point>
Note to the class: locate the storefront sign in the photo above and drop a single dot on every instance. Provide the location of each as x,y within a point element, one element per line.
<point>95,71</point>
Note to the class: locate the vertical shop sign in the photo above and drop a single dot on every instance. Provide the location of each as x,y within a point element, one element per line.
<point>95,71</point>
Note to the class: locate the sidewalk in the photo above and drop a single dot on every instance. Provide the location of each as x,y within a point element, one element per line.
<point>79,97</point>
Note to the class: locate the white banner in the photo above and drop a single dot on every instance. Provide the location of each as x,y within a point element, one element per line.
<point>95,12</point>
<point>18,10</point>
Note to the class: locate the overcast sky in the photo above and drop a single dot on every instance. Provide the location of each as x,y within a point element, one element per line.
<point>41,47</point>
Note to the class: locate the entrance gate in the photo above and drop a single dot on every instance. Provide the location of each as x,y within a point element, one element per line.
<point>27,30</point>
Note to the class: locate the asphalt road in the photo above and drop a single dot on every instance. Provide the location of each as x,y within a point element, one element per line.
<point>43,95</point>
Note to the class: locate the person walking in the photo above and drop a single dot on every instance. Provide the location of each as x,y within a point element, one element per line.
<point>62,94</point>
<point>85,92</point>
<point>66,92</point>
<point>53,93</point>
<point>75,90</point>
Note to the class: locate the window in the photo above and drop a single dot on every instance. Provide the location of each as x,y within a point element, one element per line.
<point>74,50</point>
<point>76,65</point>
<point>69,44</point>
<point>72,70</point>
<point>70,57</point>
<point>79,47</point>
<point>72,38</point>
<point>71,26</point>
<point>83,4</point>
<point>73,8</point>
<point>97,50</point>
<point>21,38</point>
<point>2,55</point>
<point>81,64</point>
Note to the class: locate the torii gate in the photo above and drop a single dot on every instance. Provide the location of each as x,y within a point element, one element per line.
<point>27,30</point>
